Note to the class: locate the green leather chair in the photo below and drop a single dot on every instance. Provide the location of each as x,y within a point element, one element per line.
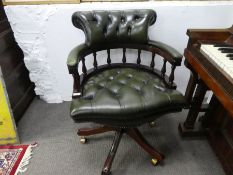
<point>121,96</point>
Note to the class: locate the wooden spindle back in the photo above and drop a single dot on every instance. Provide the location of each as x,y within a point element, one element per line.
<point>151,67</point>
<point>139,57</point>
<point>152,64</point>
<point>124,57</point>
<point>172,76</point>
<point>108,59</point>
<point>95,64</point>
<point>163,70</point>
<point>84,68</point>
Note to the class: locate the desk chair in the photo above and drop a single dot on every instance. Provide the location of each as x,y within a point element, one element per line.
<point>121,96</point>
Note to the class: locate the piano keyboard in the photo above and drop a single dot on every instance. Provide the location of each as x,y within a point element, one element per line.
<point>221,55</point>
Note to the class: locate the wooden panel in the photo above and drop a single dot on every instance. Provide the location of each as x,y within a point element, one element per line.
<point>229,128</point>
<point>10,59</point>
<point>19,87</point>
<point>229,161</point>
<point>24,102</point>
<point>17,83</point>
<point>220,136</point>
<point>6,40</point>
<point>4,25</point>
<point>2,13</point>
<point>219,119</point>
<point>216,86</point>
<point>222,150</point>
<point>113,0</point>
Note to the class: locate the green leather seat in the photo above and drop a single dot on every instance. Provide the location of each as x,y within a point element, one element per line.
<point>124,96</point>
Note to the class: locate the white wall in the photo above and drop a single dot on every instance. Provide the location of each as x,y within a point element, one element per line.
<point>46,35</point>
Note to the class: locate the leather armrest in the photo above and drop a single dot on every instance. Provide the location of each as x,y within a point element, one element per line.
<point>75,55</point>
<point>173,53</point>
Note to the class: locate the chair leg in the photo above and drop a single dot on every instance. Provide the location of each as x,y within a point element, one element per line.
<point>137,136</point>
<point>93,131</point>
<point>112,152</point>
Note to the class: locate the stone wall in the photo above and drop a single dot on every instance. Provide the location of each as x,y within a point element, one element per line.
<point>46,35</point>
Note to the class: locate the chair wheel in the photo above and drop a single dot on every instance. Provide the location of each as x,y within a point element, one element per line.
<point>152,124</point>
<point>83,140</point>
<point>154,161</point>
<point>106,173</point>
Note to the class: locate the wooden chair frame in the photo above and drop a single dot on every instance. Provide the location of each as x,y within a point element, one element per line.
<point>79,80</point>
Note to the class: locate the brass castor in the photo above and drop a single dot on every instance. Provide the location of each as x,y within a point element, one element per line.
<point>154,161</point>
<point>105,173</point>
<point>83,140</point>
<point>152,124</point>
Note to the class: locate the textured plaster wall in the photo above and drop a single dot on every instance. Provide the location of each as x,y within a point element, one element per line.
<point>46,35</point>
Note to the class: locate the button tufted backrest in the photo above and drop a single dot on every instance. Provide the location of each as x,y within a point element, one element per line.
<point>129,26</point>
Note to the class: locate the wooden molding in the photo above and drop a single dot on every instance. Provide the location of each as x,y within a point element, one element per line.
<point>113,0</point>
<point>36,2</point>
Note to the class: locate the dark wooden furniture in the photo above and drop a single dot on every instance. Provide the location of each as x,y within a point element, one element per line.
<point>217,121</point>
<point>121,96</point>
<point>19,87</point>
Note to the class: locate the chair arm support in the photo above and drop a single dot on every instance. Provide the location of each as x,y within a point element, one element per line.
<point>74,56</point>
<point>72,62</point>
<point>173,55</point>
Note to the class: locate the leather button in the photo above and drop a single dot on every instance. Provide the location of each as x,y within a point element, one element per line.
<point>115,94</point>
<point>138,89</point>
<point>122,82</point>
<point>123,19</point>
<point>136,18</point>
<point>144,82</point>
<point>117,30</point>
<point>100,86</point>
<point>111,78</point>
<point>129,75</point>
<point>109,19</point>
<point>105,31</point>
<point>88,97</point>
<point>159,88</point>
<point>129,30</point>
<point>94,19</point>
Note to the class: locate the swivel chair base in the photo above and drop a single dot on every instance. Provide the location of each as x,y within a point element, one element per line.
<point>134,133</point>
